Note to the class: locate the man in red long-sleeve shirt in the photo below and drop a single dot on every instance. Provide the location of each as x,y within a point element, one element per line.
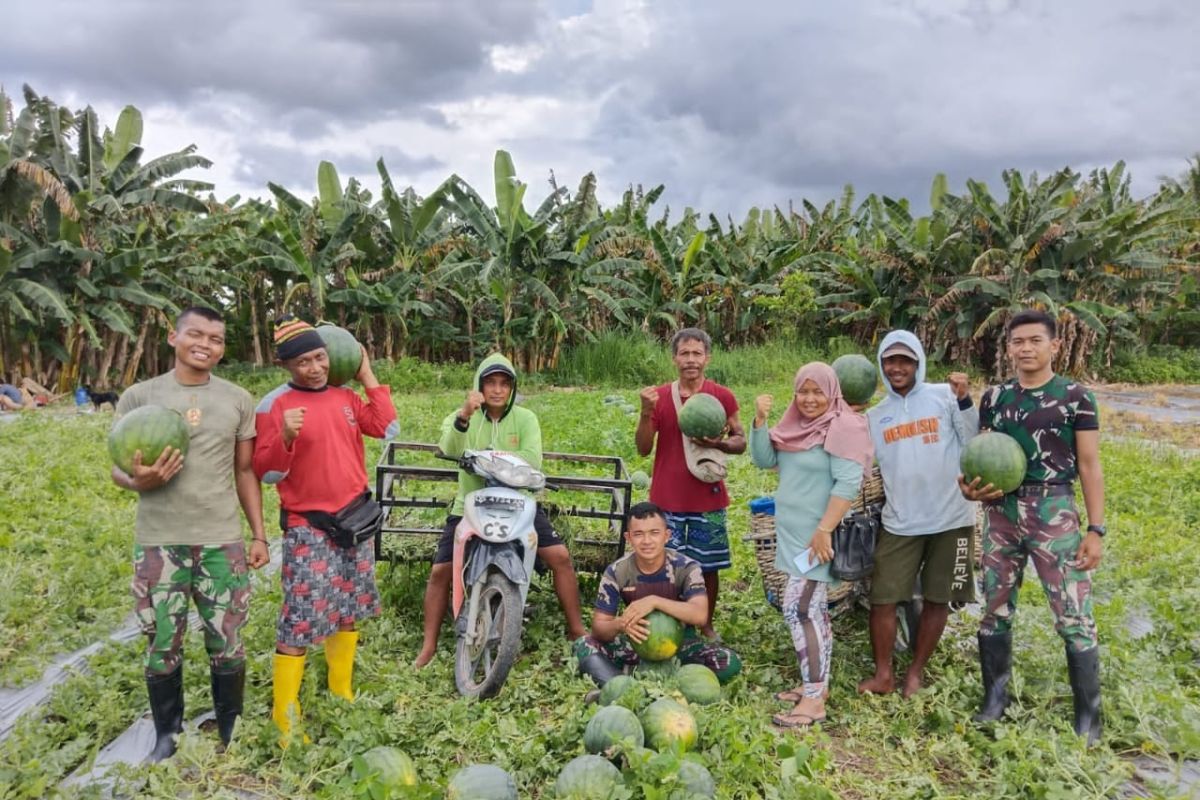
<point>310,446</point>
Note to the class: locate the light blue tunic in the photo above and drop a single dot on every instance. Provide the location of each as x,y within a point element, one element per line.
<point>807,479</point>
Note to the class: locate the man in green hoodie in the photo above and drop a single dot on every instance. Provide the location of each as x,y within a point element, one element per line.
<point>489,419</point>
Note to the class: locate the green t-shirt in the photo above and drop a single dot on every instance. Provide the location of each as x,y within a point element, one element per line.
<point>200,505</point>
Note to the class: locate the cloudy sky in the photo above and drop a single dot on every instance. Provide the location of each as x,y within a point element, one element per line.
<point>730,104</point>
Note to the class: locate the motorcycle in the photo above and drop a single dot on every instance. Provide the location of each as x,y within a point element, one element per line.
<point>495,546</point>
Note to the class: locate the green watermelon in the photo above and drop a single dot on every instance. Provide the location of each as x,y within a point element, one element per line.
<point>391,768</point>
<point>702,416</point>
<point>994,458</point>
<point>481,782</point>
<point>625,691</point>
<point>610,726</point>
<point>345,355</point>
<point>150,429</point>
<point>857,377</point>
<point>698,684</point>
<point>666,634</point>
<point>640,480</point>
<point>587,778</point>
<point>696,779</point>
<point>669,724</point>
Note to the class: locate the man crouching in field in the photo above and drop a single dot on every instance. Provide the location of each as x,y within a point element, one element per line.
<point>310,445</point>
<point>650,578</point>
<point>188,538</point>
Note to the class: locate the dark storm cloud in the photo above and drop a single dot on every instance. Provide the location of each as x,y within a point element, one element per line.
<point>347,60</point>
<point>728,105</point>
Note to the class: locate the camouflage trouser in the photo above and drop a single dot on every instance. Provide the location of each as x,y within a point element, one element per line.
<point>1045,529</point>
<point>721,660</point>
<point>166,577</point>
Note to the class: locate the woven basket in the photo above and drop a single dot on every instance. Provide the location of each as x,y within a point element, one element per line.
<point>762,536</point>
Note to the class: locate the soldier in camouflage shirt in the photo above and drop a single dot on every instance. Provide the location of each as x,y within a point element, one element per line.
<point>1055,421</point>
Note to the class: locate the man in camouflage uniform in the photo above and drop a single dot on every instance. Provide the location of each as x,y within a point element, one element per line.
<point>188,537</point>
<point>1056,423</point>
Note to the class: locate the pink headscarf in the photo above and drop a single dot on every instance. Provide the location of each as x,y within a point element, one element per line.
<point>840,430</point>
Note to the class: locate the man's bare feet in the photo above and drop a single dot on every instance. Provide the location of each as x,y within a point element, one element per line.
<point>423,658</point>
<point>878,684</point>
<point>912,684</point>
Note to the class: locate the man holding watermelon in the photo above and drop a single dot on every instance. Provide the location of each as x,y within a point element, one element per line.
<point>310,445</point>
<point>694,499</point>
<point>919,431</point>
<point>1056,423</point>
<point>649,578</point>
<point>188,538</point>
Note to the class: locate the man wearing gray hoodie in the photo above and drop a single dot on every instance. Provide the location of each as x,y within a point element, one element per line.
<point>919,431</point>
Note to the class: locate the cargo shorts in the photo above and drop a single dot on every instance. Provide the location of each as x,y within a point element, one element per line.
<point>945,562</point>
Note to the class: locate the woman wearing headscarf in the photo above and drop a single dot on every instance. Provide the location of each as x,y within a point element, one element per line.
<point>822,448</point>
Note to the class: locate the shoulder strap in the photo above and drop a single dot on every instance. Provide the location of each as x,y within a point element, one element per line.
<point>675,396</point>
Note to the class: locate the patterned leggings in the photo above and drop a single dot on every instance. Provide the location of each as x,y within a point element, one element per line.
<point>806,613</point>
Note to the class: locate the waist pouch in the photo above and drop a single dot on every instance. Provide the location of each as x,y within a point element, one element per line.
<point>351,525</point>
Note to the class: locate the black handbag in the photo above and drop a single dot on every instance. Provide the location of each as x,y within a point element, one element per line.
<point>854,542</point>
<point>358,521</point>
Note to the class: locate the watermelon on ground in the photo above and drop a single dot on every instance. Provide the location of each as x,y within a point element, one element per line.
<point>669,724</point>
<point>610,726</point>
<point>698,684</point>
<point>663,640</point>
<point>696,779</point>
<point>640,480</point>
<point>623,690</point>
<point>481,782</point>
<point>390,768</point>
<point>702,416</point>
<point>659,672</point>
<point>345,354</point>
<point>150,429</point>
<point>587,778</point>
<point>994,458</point>
<point>857,377</point>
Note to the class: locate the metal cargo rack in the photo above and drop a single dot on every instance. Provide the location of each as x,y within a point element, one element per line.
<point>415,493</point>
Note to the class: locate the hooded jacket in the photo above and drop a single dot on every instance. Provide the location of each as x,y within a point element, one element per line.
<point>918,441</point>
<point>516,431</point>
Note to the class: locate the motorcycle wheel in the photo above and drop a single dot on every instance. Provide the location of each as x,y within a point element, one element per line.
<point>481,669</point>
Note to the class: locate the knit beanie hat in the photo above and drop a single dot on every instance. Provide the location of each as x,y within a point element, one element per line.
<point>295,337</point>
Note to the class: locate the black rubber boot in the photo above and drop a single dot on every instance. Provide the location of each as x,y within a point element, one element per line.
<point>1083,668</point>
<point>995,663</point>
<point>166,705</point>
<point>228,689</point>
<point>598,668</point>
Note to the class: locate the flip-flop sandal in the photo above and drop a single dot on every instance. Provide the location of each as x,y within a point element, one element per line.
<point>796,720</point>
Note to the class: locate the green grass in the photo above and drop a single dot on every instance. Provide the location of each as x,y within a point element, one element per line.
<point>64,582</point>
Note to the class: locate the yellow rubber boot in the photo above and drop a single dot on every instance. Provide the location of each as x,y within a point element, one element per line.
<point>289,672</point>
<point>339,658</point>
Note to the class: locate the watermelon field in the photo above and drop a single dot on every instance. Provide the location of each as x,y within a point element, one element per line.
<point>66,539</point>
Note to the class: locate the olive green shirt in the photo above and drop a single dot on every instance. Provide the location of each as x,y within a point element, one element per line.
<point>199,506</point>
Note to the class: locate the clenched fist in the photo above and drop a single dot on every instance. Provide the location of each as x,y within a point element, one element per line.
<point>762,407</point>
<point>959,384</point>
<point>649,397</point>
<point>471,404</point>
<point>293,421</point>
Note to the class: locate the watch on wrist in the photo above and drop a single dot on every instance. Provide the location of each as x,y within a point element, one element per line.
<point>1099,530</point>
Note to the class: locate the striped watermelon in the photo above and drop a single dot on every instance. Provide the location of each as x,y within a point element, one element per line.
<point>150,429</point>
<point>345,354</point>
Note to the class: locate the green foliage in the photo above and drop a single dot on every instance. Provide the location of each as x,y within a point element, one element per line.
<point>1160,364</point>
